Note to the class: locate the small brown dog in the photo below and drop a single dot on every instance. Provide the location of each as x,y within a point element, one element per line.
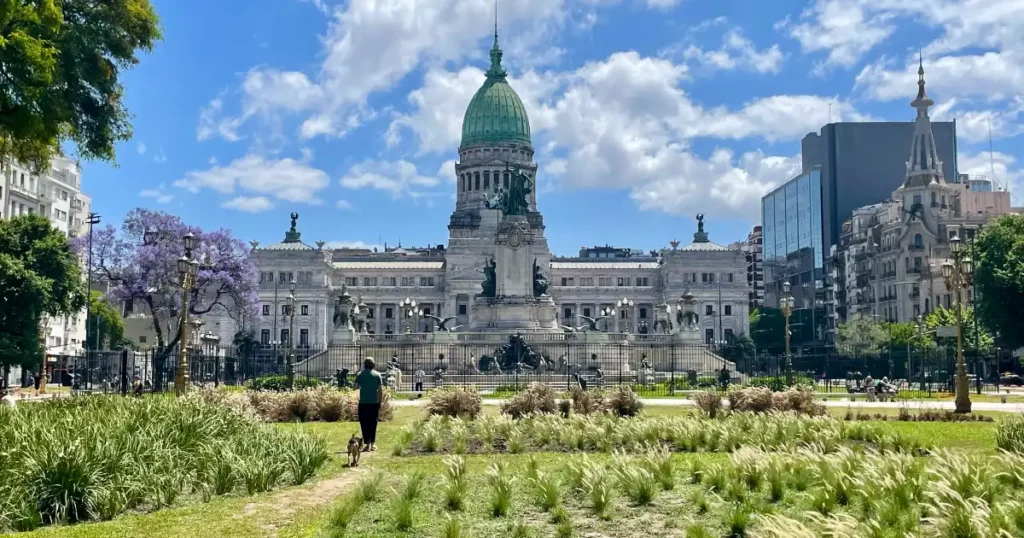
<point>355,448</point>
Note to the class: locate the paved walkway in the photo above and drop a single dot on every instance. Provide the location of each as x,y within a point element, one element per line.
<point>841,404</point>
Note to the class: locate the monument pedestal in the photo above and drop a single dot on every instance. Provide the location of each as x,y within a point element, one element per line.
<point>690,336</point>
<point>343,335</point>
<point>510,314</point>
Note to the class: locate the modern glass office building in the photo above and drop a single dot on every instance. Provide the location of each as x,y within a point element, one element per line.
<point>791,220</point>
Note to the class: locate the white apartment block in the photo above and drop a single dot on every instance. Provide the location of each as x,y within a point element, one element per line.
<point>57,195</point>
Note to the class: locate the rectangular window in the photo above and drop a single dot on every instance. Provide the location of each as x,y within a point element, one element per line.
<point>709,310</point>
<point>142,339</point>
<point>266,310</point>
<point>605,281</point>
<point>729,277</point>
<point>728,335</point>
<point>567,313</point>
<point>390,281</point>
<point>728,310</point>
<point>304,310</point>
<point>622,281</point>
<point>462,310</point>
<point>643,312</point>
<point>586,312</point>
<point>369,281</point>
<point>487,180</point>
<point>303,337</point>
<point>351,281</point>
<point>709,336</point>
<point>284,337</point>
<point>284,310</point>
<point>477,178</point>
<point>427,281</point>
<point>639,282</point>
<point>388,313</point>
<point>506,180</point>
<point>704,277</point>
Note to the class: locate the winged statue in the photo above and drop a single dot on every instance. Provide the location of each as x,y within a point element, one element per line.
<point>569,329</point>
<point>440,323</point>
<point>592,322</point>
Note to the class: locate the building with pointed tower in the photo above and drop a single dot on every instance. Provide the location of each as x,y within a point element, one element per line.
<point>445,280</point>
<point>890,254</point>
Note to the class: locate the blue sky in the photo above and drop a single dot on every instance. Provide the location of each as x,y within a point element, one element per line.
<point>644,112</point>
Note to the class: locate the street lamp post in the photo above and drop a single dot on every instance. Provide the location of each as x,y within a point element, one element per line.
<point>188,268</point>
<point>291,334</point>
<point>786,302</point>
<point>410,310</point>
<point>957,275</point>
<point>624,304</point>
<point>44,333</point>
<point>607,312</point>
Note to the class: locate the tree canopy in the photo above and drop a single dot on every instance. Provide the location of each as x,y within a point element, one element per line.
<point>39,276</point>
<point>146,273</point>
<point>863,334</point>
<point>947,317</point>
<point>60,62</point>
<point>105,327</point>
<point>768,328</point>
<point>998,253</point>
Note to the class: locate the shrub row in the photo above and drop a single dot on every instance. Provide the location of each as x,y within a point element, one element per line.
<point>78,459</point>
<point>279,383</point>
<point>313,404</point>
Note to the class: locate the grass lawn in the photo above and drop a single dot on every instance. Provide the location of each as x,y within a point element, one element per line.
<point>303,511</point>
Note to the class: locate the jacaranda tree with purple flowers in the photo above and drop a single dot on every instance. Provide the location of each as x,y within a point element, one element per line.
<point>142,268</point>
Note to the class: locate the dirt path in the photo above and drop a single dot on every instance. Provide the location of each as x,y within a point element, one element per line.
<point>280,509</point>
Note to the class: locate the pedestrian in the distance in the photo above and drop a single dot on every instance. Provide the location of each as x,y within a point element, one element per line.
<point>371,394</point>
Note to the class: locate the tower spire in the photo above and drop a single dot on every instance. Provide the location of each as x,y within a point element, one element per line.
<point>924,167</point>
<point>496,72</point>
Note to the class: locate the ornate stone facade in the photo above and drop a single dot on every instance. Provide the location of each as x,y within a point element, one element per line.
<point>444,281</point>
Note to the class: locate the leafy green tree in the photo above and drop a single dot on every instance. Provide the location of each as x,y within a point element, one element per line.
<point>245,343</point>
<point>998,254</point>
<point>105,327</point>
<point>59,66</point>
<point>863,334</point>
<point>768,328</point>
<point>39,276</point>
<point>947,317</point>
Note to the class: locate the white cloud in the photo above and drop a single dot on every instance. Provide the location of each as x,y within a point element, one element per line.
<point>283,179</point>
<point>396,177</point>
<point>141,148</point>
<point>249,204</point>
<point>974,125</point>
<point>368,48</point>
<point>997,167</point>
<point>160,157</point>
<point>991,76</point>
<point>846,29</point>
<point>625,122</point>
<point>354,245</point>
<point>736,52</point>
<point>159,194</point>
<point>344,205</point>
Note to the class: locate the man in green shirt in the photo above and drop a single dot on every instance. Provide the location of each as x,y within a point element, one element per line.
<point>371,394</point>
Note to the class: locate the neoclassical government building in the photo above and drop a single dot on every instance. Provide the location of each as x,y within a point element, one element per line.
<point>444,279</point>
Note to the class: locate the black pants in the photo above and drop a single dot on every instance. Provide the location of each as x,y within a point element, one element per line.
<point>368,421</point>
<point>419,386</point>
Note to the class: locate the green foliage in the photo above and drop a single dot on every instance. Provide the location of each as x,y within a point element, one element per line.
<point>105,327</point>
<point>768,327</point>
<point>778,383</point>
<point>279,383</point>
<point>1010,434</point>
<point>454,401</point>
<point>39,275</point>
<point>864,334</point>
<point>94,458</point>
<point>245,343</point>
<point>61,60</point>
<point>998,253</point>
<point>947,317</point>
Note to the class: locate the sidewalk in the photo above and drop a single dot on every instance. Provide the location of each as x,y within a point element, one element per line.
<point>840,404</point>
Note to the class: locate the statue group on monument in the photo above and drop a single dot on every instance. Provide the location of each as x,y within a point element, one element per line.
<point>515,200</point>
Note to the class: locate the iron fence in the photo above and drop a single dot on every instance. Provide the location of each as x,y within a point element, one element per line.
<point>651,367</point>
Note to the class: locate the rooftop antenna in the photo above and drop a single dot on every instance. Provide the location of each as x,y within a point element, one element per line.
<point>495,21</point>
<point>991,159</point>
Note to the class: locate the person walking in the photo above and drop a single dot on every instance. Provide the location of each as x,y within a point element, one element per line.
<point>371,394</point>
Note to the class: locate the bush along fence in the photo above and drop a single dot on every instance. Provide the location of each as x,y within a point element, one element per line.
<point>650,368</point>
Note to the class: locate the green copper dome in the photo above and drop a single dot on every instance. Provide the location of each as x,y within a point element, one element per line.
<point>496,114</point>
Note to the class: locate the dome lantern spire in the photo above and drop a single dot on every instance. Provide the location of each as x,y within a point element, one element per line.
<point>496,72</point>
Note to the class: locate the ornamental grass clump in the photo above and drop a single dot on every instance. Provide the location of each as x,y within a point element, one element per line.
<point>500,481</point>
<point>536,398</point>
<point>454,401</point>
<point>622,401</point>
<point>70,460</point>
<point>709,402</point>
<point>1010,434</point>
<point>454,486</point>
